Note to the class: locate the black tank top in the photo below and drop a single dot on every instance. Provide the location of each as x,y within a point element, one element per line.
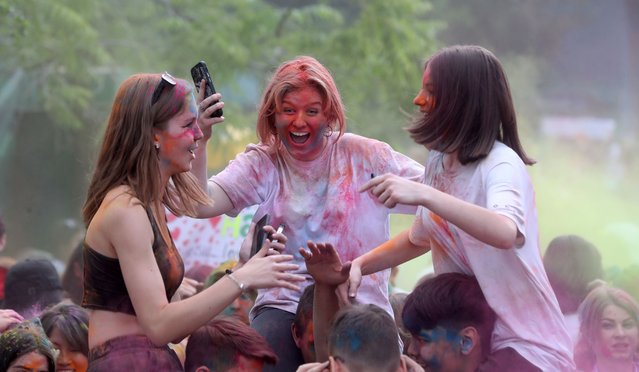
<point>104,286</point>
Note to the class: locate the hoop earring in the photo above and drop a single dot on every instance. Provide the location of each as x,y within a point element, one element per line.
<point>329,132</point>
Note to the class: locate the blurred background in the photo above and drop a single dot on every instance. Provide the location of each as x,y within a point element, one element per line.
<point>573,66</point>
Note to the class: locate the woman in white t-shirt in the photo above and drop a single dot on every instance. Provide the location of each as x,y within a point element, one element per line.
<point>476,209</point>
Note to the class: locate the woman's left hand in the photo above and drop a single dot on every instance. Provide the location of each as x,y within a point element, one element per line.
<point>205,108</point>
<point>391,189</point>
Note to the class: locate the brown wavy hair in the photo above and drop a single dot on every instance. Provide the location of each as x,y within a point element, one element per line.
<point>127,155</point>
<point>295,74</point>
<point>473,105</point>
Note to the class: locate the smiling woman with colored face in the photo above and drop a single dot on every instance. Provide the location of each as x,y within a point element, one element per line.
<point>609,331</point>
<point>132,268</point>
<point>305,174</point>
<point>67,327</point>
<point>25,348</point>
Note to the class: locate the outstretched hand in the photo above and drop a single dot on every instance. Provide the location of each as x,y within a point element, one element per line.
<point>205,108</point>
<point>324,264</point>
<point>275,244</point>
<point>269,268</point>
<point>391,189</point>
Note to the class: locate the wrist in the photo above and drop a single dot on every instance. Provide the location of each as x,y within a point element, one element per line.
<point>240,284</point>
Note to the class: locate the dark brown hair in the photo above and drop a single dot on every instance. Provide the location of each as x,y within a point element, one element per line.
<point>217,344</point>
<point>128,157</point>
<point>473,105</point>
<point>450,300</point>
<point>73,323</point>
<point>571,263</point>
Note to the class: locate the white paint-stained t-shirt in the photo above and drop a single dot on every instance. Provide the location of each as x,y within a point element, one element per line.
<point>318,200</point>
<point>513,280</point>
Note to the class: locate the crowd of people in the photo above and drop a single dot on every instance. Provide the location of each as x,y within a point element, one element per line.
<point>315,297</point>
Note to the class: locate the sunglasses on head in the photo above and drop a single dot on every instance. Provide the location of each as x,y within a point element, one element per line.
<point>167,80</point>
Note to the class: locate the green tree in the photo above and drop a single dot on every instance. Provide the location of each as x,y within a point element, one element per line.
<point>62,61</point>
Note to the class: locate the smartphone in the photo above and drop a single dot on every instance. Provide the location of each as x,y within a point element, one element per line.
<point>201,71</point>
<point>259,235</point>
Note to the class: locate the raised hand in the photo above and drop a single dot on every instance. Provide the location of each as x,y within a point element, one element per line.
<point>324,264</point>
<point>205,108</point>
<point>391,189</point>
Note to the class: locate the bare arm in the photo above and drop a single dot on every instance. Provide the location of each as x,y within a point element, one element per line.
<point>391,253</point>
<point>129,231</point>
<point>325,266</point>
<point>221,201</point>
<point>483,224</point>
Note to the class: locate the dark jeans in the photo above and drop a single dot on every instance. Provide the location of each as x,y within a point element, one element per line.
<point>275,325</point>
<point>506,360</point>
<point>132,353</point>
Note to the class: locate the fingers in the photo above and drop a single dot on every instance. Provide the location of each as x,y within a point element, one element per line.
<point>369,184</point>
<point>387,199</point>
<point>10,316</point>
<point>207,108</point>
<point>306,254</point>
<point>263,252</point>
<point>289,282</point>
<point>354,280</point>
<point>313,367</point>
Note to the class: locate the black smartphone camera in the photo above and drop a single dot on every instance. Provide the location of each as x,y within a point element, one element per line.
<point>199,72</point>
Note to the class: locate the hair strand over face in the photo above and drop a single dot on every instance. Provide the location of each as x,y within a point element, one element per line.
<point>473,106</point>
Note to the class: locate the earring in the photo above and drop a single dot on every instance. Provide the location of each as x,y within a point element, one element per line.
<point>157,146</point>
<point>329,132</point>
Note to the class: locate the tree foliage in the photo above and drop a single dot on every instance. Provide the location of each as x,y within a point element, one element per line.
<point>64,59</point>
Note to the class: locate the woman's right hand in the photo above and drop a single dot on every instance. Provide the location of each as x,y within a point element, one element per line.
<point>267,270</point>
<point>347,291</point>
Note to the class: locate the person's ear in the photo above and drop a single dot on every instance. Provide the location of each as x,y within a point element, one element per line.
<point>469,340</point>
<point>294,333</point>
<point>202,369</point>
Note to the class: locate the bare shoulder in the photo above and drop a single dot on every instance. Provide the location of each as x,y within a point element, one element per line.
<point>119,214</point>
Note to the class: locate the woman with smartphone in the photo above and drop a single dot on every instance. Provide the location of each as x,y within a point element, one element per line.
<point>305,174</point>
<point>132,269</point>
